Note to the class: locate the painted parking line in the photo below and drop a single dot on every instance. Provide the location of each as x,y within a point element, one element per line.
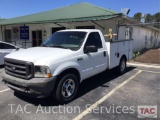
<point>148,71</point>
<point>4,90</point>
<point>143,65</point>
<point>88,110</point>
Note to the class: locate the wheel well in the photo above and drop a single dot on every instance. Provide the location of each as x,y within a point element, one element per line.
<point>70,70</point>
<point>124,56</point>
<point>67,71</point>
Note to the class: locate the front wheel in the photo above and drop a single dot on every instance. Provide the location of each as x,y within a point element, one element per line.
<point>67,89</point>
<point>122,66</point>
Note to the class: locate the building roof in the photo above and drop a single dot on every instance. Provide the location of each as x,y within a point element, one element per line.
<point>72,13</point>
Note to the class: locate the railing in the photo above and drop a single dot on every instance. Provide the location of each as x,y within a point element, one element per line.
<point>11,42</point>
<point>21,44</point>
<point>26,44</point>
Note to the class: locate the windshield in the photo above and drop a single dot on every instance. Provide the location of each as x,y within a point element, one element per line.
<point>68,40</point>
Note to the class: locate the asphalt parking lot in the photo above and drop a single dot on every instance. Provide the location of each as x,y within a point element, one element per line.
<point>104,96</point>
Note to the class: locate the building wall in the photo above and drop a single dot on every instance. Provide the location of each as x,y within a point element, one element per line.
<point>143,37</point>
<point>47,29</point>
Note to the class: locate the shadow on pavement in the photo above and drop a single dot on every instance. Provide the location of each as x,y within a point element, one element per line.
<point>103,79</point>
<point>86,86</point>
<point>1,66</point>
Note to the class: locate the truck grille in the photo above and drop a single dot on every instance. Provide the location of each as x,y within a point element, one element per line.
<point>20,69</point>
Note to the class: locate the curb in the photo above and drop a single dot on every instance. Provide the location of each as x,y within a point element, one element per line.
<point>144,64</point>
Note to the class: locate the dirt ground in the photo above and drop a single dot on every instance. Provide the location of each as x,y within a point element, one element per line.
<point>149,56</point>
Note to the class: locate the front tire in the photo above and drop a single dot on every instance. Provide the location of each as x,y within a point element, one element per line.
<point>67,89</point>
<point>122,66</point>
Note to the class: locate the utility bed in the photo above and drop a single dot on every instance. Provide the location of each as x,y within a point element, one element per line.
<point>118,48</point>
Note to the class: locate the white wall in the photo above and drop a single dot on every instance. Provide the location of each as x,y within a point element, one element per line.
<point>145,38</point>
<point>72,25</point>
<point>142,37</point>
<point>138,33</point>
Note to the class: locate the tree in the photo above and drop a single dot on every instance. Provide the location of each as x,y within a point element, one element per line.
<point>137,16</point>
<point>149,18</point>
<point>156,18</point>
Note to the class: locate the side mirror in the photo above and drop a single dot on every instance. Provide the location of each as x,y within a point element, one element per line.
<point>90,49</point>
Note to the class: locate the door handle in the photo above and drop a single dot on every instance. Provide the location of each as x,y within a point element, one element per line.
<point>104,53</point>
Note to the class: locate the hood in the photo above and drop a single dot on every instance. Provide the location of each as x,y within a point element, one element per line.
<point>42,54</point>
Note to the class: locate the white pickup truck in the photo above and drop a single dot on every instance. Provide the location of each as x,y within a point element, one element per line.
<point>62,62</point>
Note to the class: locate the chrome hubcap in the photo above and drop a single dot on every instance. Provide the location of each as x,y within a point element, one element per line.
<point>123,65</point>
<point>68,88</point>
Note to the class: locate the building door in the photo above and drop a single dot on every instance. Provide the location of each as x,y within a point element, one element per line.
<point>57,29</point>
<point>8,35</point>
<point>36,38</point>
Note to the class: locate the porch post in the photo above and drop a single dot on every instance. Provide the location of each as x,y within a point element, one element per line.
<point>25,35</point>
<point>2,33</point>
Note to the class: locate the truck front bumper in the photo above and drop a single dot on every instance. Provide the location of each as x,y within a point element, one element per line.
<point>35,87</point>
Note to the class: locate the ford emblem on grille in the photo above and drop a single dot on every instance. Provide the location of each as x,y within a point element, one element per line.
<point>13,68</point>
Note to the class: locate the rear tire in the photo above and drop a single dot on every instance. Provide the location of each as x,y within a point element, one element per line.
<point>67,89</point>
<point>122,66</point>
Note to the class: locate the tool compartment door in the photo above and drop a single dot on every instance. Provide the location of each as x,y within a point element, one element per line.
<point>116,50</point>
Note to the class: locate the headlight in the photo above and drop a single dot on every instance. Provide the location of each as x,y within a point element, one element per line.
<point>42,71</point>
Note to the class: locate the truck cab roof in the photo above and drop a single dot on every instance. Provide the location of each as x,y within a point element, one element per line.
<point>80,30</point>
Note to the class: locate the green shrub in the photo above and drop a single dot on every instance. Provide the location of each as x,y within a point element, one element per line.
<point>136,54</point>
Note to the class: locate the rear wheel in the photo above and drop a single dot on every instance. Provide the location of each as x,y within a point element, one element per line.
<point>67,89</point>
<point>122,65</point>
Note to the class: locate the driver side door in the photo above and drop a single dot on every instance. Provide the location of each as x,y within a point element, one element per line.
<point>93,61</point>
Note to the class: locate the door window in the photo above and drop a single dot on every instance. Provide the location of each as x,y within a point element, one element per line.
<point>6,46</point>
<point>36,38</point>
<point>8,35</point>
<point>94,39</point>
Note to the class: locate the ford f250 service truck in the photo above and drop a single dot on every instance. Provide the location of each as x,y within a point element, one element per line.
<point>62,62</point>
